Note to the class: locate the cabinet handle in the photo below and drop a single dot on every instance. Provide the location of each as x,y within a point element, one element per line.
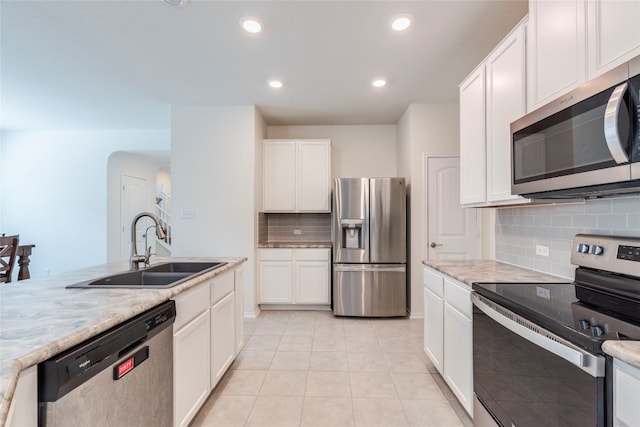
<point>434,244</point>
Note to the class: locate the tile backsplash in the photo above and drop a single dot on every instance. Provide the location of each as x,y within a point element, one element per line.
<point>518,230</point>
<point>279,227</point>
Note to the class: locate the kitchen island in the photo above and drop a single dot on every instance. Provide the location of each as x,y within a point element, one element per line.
<point>40,317</point>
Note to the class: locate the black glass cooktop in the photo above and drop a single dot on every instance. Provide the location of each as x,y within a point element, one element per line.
<point>555,307</point>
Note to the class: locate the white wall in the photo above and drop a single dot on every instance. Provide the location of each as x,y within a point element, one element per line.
<point>54,191</point>
<point>138,164</point>
<point>213,167</point>
<point>431,129</point>
<point>356,151</point>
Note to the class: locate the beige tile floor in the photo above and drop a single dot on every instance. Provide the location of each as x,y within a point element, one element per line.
<point>309,368</point>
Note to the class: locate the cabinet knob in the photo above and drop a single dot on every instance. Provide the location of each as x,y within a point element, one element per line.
<point>434,244</point>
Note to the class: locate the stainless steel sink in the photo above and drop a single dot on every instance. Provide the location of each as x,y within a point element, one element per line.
<point>155,277</point>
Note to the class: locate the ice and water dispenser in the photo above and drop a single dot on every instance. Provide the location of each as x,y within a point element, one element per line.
<point>352,233</point>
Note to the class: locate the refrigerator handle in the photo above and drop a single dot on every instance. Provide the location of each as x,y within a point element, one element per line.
<point>359,268</point>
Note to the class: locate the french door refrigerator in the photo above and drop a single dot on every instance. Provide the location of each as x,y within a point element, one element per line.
<point>369,247</point>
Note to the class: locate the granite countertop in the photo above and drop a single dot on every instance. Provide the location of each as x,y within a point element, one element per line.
<point>300,245</point>
<point>40,318</point>
<point>470,271</point>
<point>627,351</point>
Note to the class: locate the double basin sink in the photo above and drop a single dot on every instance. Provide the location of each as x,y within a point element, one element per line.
<point>159,276</point>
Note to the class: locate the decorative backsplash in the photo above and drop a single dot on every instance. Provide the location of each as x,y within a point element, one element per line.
<point>519,230</point>
<point>280,227</point>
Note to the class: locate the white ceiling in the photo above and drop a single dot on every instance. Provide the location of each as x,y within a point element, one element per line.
<point>122,64</point>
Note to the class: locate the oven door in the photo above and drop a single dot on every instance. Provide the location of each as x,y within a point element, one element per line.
<point>525,376</point>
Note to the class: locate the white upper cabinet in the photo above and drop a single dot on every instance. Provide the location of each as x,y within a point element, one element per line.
<point>506,102</point>
<point>491,97</point>
<point>555,49</point>
<point>314,176</point>
<point>473,189</point>
<point>570,42</point>
<point>297,175</point>
<point>279,175</point>
<point>613,35</point>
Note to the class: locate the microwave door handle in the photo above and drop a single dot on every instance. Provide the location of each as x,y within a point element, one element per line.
<point>611,131</point>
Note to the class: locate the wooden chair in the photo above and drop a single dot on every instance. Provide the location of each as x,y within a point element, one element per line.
<point>8,250</point>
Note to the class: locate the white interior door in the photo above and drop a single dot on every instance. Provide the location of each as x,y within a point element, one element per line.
<point>452,232</point>
<point>133,200</point>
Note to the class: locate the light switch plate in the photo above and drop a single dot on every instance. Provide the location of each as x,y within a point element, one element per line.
<point>188,213</point>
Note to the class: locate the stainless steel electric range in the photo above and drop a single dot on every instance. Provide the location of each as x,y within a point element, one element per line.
<point>537,347</point>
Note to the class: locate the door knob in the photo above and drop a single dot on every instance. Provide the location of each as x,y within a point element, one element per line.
<point>434,244</point>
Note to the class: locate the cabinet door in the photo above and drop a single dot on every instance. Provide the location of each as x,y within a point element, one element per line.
<point>314,176</point>
<point>626,389</point>
<point>191,367</point>
<point>279,175</point>
<point>506,86</point>
<point>312,282</point>
<point>613,34</point>
<point>239,298</point>
<point>458,363</point>
<point>23,410</point>
<point>556,45</point>
<point>276,282</point>
<point>433,328</point>
<point>473,188</point>
<point>223,337</point>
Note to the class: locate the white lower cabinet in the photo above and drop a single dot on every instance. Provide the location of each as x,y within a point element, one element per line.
<point>239,297</point>
<point>191,365</point>
<point>434,319</point>
<point>223,337</point>
<point>295,276</point>
<point>23,410</point>
<point>458,355</point>
<point>204,342</point>
<point>626,389</point>
<point>448,332</point>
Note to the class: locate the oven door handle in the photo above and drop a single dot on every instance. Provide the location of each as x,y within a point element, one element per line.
<point>611,131</point>
<point>592,364</point>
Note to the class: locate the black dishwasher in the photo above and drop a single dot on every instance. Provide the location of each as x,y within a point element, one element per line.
<point>121,377</point>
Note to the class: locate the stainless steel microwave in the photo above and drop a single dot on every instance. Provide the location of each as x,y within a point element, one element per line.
<point>584,144</point>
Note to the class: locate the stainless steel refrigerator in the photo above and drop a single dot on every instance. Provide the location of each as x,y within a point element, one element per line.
<point>369,247</point>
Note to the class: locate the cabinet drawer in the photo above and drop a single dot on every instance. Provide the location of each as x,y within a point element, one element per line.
<point>190,304</point>
<point>458,296</point>
<point>221,286</point>
<point>276,254</point>
<point>312,254</point>
<point>434,282</point>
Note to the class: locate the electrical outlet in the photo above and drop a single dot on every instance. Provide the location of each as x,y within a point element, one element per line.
<point>543,292</point>
<point>542,250</point>
<point>297,232</point>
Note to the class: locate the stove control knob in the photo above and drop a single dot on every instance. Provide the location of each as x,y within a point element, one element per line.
<point>597,250</point>
<point>584,324</point>
<point>597,331</point>
<point>582,248</point>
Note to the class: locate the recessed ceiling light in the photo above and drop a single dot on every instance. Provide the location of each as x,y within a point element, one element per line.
<point>276,84</point>
<point>379,83</point>
<point>176,2</point>
<point>251,25</point>
<point>401,22</point>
